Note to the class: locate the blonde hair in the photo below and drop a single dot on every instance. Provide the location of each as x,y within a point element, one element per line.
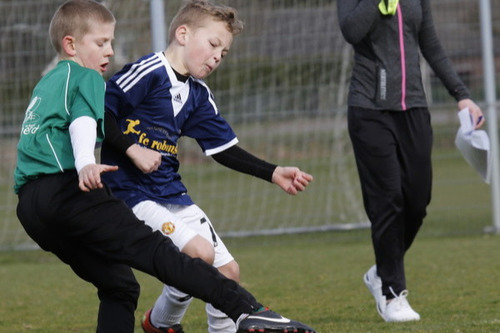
<point>194,12</point>
<point>74,18</point>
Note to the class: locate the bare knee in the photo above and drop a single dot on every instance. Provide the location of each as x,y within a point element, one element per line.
<point>231,270</point>
<point>199,247</point>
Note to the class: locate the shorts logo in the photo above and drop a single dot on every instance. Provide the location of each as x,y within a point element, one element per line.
<point>168,228</point>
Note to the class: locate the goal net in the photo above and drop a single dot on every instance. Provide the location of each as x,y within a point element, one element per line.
<point>282,87</point>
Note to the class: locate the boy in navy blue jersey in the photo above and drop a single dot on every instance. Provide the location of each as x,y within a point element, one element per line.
<point>156,100</point>
<point>67,210</point>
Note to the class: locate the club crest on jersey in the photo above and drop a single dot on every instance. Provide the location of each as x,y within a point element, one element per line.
<point>31,119</point>
<point>168,228</point>
<point>163,146</point>
<point>131,126</point>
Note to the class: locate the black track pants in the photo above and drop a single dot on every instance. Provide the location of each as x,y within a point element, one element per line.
<point>393,157</point>
<point>100,238</point>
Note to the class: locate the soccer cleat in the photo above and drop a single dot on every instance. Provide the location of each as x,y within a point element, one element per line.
<point>374,285</point>
<point>398,309</point>
<point>267,321</point>
<point>147,327</point>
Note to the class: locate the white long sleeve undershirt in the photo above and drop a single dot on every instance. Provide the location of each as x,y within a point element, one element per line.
<point>83,133</point>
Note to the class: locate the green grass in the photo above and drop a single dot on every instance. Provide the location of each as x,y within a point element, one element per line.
<point>315,278</point>
<point>453,268</point>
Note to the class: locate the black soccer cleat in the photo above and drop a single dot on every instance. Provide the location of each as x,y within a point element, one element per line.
<point>267,321</point>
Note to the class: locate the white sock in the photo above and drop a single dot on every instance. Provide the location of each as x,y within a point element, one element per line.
<point>218,321</point>
<point>170,307</point>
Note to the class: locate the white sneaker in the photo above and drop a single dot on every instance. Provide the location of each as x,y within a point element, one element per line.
<point>398,309</point>
<point>374,285</point>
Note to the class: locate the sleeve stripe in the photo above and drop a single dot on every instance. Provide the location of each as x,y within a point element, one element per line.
<point>137,72</point>
<point>210,152</point>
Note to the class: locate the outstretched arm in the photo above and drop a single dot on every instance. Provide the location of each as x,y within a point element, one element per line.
<point>290,179</point>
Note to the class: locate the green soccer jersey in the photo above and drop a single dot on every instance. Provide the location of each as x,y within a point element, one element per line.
<point>65,93</point>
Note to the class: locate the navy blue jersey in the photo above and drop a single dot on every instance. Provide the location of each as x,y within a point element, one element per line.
<point>155,109</point>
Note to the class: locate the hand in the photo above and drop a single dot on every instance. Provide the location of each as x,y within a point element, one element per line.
<point>474,110</point>
<point>145,159</point>
<point>90,176</point>
<point>388,7</point>
<point>291,179</point>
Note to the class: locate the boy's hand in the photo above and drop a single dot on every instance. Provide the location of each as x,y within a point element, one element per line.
<point>145,159</point>
<point>90,176</point>
<point>291,179</point>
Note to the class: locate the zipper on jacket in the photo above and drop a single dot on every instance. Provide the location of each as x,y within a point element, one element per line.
<point>403,57</point>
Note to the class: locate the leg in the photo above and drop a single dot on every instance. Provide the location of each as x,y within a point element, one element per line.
<point>218,322</point>
<point>117,288</point>
<point>392,172</point>
<point>379,169</point>
<point>415,138</point>
<point>192,232</point>
<point>172,304</point>
<point>100,224</point>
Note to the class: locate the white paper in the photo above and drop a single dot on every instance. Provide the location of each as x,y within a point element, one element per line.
<point>474,145</point>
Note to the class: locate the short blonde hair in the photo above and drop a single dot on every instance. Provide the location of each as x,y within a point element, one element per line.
<point>74,18</point>
<point>194,12</point>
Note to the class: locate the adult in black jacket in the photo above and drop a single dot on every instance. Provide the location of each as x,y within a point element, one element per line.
<point>390,129</point>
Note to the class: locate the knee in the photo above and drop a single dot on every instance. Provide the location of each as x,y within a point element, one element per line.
<point>128,294</point>
<point>199,247</point>
<point>231,270</point>
<point>207,255</point>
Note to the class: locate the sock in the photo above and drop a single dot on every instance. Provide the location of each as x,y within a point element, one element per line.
<point>218,321</point>
<point>170,307</point>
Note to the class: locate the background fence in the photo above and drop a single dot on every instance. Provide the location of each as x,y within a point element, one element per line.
<point>283,88</point>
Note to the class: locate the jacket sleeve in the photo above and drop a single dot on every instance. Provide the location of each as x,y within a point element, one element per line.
<point>435,55</point>
<point>356,18</point>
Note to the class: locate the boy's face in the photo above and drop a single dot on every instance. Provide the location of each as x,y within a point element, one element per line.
<point>94,49</point>
<point>205,47</point>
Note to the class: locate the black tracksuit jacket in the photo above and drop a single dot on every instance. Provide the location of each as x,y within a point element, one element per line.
<point>386,73</point>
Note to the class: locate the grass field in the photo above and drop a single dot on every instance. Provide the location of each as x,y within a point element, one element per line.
<point>453,270</point>
<point>316,278</point>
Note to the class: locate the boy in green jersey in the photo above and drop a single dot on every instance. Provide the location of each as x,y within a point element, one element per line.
<point>67,210</point>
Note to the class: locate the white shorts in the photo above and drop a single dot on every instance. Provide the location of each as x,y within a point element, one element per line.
<point>181,224</point>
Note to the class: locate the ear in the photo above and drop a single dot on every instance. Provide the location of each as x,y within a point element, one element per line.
<point>181,34</point>
<point>68,45</point>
